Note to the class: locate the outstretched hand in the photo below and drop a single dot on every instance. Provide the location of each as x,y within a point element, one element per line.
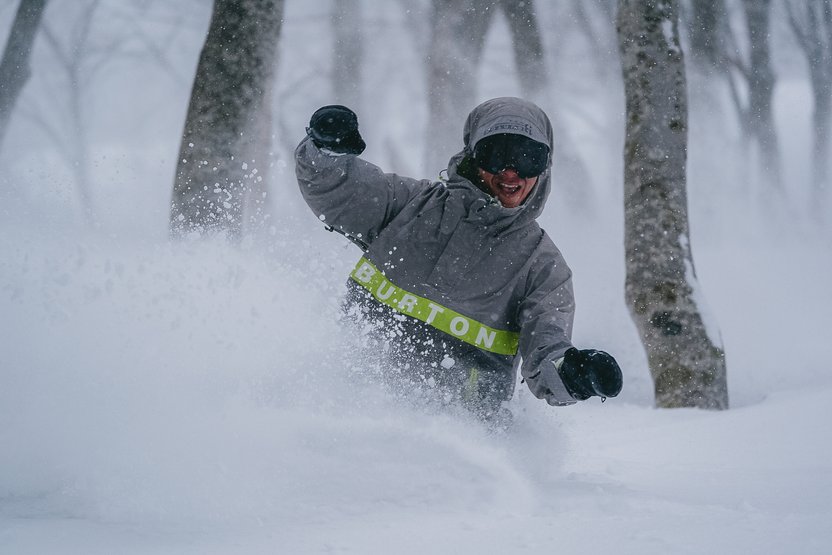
<point>589,372</point>
<point>335,128</point>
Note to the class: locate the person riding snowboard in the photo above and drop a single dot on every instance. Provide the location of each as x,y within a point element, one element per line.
<point>459,282</point>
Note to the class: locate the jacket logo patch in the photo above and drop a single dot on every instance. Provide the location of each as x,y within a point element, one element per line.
<point>440,317</point>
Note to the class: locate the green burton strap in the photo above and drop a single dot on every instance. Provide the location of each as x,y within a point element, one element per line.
<point>442,318</point>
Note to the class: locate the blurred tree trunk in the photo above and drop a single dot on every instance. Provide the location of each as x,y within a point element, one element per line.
<point>72,59</point>
<point>811,21</point>
<point>706,25</point>
<point>222,157</point>
<point>458,36</point>
<point>755,106</point>
<point>459,31</point>
<point>756,113</point>
<point>348,53</point>
<point>761,81</point>
<point>528,45</point>
<point>715,53</point>
<point>14,66</point>
<point>568,168</point>
<point>596,20</point>
<point>686,363</point>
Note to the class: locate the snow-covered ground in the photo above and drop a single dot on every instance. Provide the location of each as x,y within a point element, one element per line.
<point>159,398</point>
<point>200,398</point>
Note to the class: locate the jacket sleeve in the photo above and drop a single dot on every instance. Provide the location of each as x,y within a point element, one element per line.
<point>350,194</point>
<point>546,316</point>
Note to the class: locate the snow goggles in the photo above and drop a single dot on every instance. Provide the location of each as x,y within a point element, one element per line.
<point>527,157</point>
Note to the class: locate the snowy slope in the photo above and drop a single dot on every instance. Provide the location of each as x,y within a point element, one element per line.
<point>196,398</point>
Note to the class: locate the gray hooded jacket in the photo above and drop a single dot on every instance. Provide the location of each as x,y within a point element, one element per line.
<point>450,255</point>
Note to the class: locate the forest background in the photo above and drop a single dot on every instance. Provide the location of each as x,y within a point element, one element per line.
<point>170,396</point>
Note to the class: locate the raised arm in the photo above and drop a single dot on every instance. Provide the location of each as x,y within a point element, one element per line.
<point>350,194</point>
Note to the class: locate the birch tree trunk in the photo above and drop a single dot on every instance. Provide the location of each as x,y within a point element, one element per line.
<point>685,356</point>
<point>14,66</point>
<point>222,156</point>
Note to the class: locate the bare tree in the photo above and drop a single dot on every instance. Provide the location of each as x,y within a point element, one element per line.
<point>14,66</point>
<point>715,51</point>
<point>528,45</point>
<point>596,21</point>
<point>71,60</point>
<point>811,21</point>
<point>686,360</point>
<point>707,28</point>
<point>459,32</point>
<point>78,54</point>
<point>459,28</point>
<point>348,53</point>
<point>527,41</point>
<point>756,75</point>
<point>222,156</point>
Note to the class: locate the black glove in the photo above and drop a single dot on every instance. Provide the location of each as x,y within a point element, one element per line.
<point>335,128</point>
<point>589,372</point>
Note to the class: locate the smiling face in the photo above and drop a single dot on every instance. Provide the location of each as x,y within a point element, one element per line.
<point>507,186</point>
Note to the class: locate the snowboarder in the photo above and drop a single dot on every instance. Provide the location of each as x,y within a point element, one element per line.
<point>458,279</point>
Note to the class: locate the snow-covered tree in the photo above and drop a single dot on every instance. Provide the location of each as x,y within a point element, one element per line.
<point>223,157</point>
<point>684,351</point>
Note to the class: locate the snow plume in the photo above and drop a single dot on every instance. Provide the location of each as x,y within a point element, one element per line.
<point>198,383</point>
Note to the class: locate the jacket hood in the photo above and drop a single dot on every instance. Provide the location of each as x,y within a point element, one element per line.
<point>506,115</point>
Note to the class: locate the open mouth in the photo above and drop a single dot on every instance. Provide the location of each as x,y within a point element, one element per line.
<point>509,189</point>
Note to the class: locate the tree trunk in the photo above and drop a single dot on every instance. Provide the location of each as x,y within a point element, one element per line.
<point>72,58</point>
<point>528,45</point>
<point>348,52</point>
<point>761,91</point>
<point>819,56</point>
<point>705,28</point>
<point>822,118</point>
<point>811,22</point>
<point>14,67</point>
<point>685,357</point>
<point>459,28</point>
<point>218,155</point>
<point>568,169</point>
